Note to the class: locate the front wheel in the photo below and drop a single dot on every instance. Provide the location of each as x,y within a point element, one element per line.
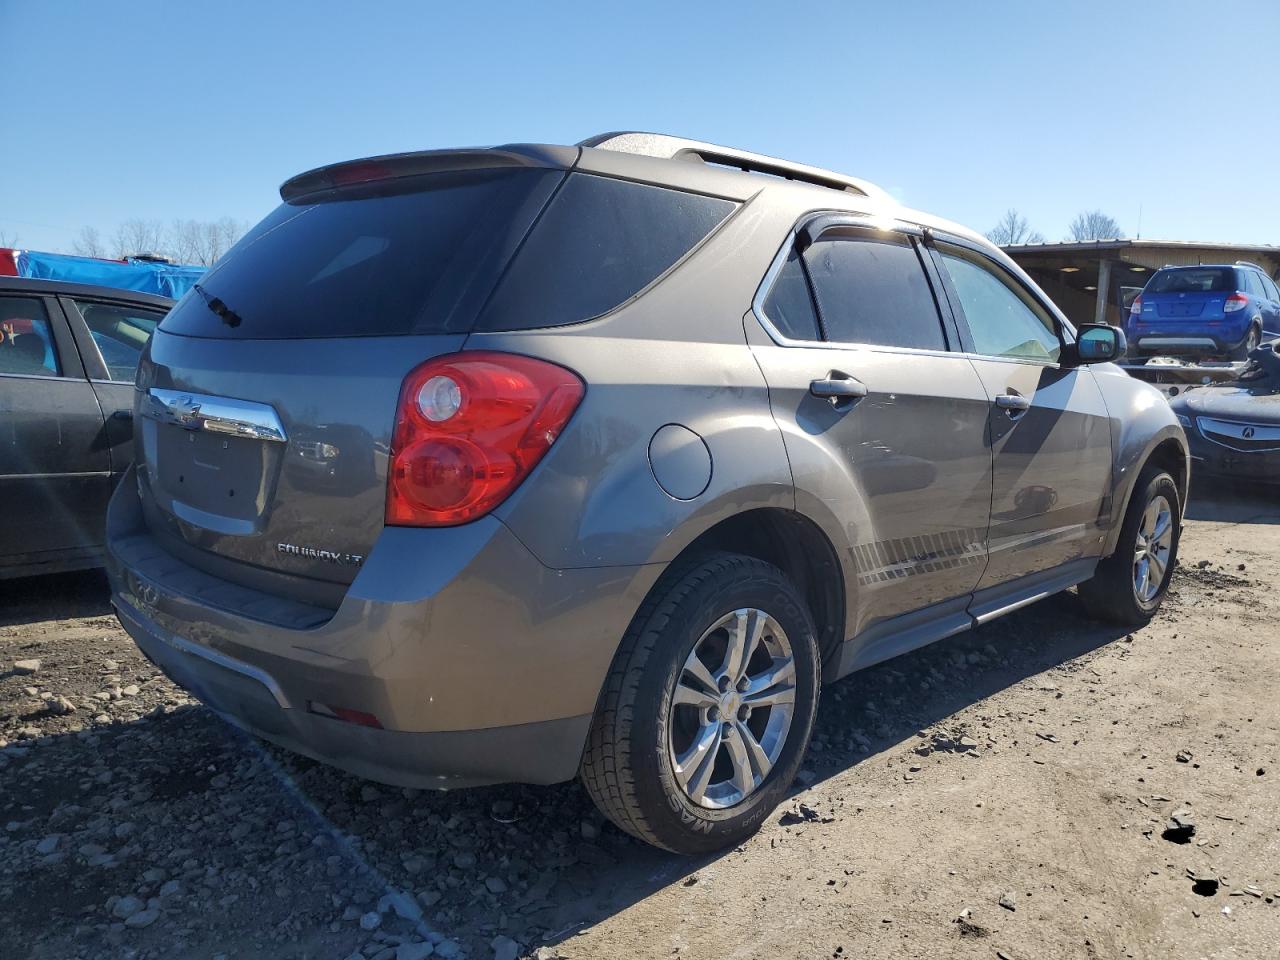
<point>708,708</point>
<point>1128,587</point>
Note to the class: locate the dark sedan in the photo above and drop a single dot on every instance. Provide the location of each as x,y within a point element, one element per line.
<point>1233,428</point>
<point>67,358</point>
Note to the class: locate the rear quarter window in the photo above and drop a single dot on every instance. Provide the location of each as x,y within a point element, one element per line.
<point>599,243</point>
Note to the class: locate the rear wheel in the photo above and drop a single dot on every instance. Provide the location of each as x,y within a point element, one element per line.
<point>708,707</point>
<point>1251,342</point>
<point>1129,586</point>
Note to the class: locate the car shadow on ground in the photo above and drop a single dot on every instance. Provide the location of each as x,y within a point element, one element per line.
<point>53,597</point>
<point>1225,501</point>
<point>534,862</point>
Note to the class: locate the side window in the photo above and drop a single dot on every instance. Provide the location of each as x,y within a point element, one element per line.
<point>1251,284</point>
<point>1272,291</point>
<point>120,334</point>
<point>789,306</point>
<point>873,290</point>
<point>26,339</point>
<point>1002,320</point>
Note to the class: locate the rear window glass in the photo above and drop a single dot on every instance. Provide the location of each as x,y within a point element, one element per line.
<point>874,291</point>
<point>599,243</point>
<point>790,306</point>
<point>1194,280</point>
<point>415,255</point>
<point>120,333</point>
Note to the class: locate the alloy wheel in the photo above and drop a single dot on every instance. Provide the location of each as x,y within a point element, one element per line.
<point>1151,551</point>
<point>732,708</point>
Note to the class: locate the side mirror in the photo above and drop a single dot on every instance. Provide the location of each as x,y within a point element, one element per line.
<point>1098,343</point>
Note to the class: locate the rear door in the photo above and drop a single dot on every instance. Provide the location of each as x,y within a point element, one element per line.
<point>1049,431</point>
<point>111,335</point>
<point>885,425</point>
<point>54,464</point>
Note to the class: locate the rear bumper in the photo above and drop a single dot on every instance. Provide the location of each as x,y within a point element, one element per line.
<point>1185,343</point>
<point>545,752</point>
<point>481,664</point>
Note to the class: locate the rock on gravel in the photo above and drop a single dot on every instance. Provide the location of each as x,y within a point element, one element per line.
<point>25,667</point>
<point>126,907</point>
<point>143,918</point>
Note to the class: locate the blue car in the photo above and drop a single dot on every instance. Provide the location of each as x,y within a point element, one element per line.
<point>1204,311</point>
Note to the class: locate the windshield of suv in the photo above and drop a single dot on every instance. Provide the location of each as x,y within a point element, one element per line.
<point>1193,280</point>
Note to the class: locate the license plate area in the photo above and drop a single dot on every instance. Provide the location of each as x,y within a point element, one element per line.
<point>215,474</point>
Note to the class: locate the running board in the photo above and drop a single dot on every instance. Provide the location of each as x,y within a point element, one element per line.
<point>898,635</point>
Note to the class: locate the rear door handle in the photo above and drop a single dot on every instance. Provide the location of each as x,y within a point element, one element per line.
<point>1013,403</point>
<point>838,387</point>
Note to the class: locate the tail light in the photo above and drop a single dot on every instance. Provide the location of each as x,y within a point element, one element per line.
<point>1237,301</point>
<point>469,428</point>
<point>1135,308</point>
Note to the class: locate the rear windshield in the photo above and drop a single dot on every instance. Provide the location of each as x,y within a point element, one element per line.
<point>425,255</point>
<point>413,255</point>
<point>1193,280</point>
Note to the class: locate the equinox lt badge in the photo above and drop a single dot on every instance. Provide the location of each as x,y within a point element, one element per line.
<point>328,556</point>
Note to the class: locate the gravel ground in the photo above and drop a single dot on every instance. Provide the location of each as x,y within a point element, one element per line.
<point>1039,788</point>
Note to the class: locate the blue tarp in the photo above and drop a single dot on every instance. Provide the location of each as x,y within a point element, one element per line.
<point>166,279</point>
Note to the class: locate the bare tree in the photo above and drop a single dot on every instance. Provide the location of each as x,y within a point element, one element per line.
<point>1095,225</point>
<point>89,243</point>
<point>201,242</point>
<point>217,236</point>
<point>139,236</point>
<point>8,239</point>
<point>1013,229</point>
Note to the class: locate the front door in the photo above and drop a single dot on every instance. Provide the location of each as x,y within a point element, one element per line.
<point>1050,434</point>
<point>884,424</point>
<point>54,461</point>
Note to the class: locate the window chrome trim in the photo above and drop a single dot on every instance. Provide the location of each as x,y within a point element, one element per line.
<point>224,415</point>
<point>41,376</point>
<point>868,222</point>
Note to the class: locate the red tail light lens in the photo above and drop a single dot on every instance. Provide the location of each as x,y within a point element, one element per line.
<point>469,428</point>
<point>1135,308</point>
<point>1237,301</point>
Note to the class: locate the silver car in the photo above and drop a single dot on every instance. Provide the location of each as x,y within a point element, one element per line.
<point>542,462</point>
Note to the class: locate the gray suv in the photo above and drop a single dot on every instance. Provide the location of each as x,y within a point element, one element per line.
<point>535,462</point>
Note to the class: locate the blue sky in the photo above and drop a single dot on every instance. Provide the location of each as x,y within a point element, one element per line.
<point>184,110</point>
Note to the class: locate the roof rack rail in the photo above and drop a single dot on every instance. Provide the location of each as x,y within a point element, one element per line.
<point>679,148</point>
<point>1250,263</point>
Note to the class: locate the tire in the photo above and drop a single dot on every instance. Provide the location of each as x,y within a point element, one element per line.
<point>1113,594</point>
<point>1252,340</point>
<point>629,766</point>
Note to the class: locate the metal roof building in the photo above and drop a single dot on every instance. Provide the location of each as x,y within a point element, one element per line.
<point>1096,280</point>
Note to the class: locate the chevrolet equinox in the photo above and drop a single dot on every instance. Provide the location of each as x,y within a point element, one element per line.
<point>534,462</point>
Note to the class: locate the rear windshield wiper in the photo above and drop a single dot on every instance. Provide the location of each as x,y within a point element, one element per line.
<point>227,315</point>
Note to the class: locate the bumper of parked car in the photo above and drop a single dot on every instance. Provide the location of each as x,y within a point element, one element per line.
<point>1155,340</point>
<point>455,658</point>
<point>1212,459</point>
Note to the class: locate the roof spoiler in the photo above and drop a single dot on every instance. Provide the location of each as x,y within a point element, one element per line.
<point>394,166</point>
<point>678,148</point>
